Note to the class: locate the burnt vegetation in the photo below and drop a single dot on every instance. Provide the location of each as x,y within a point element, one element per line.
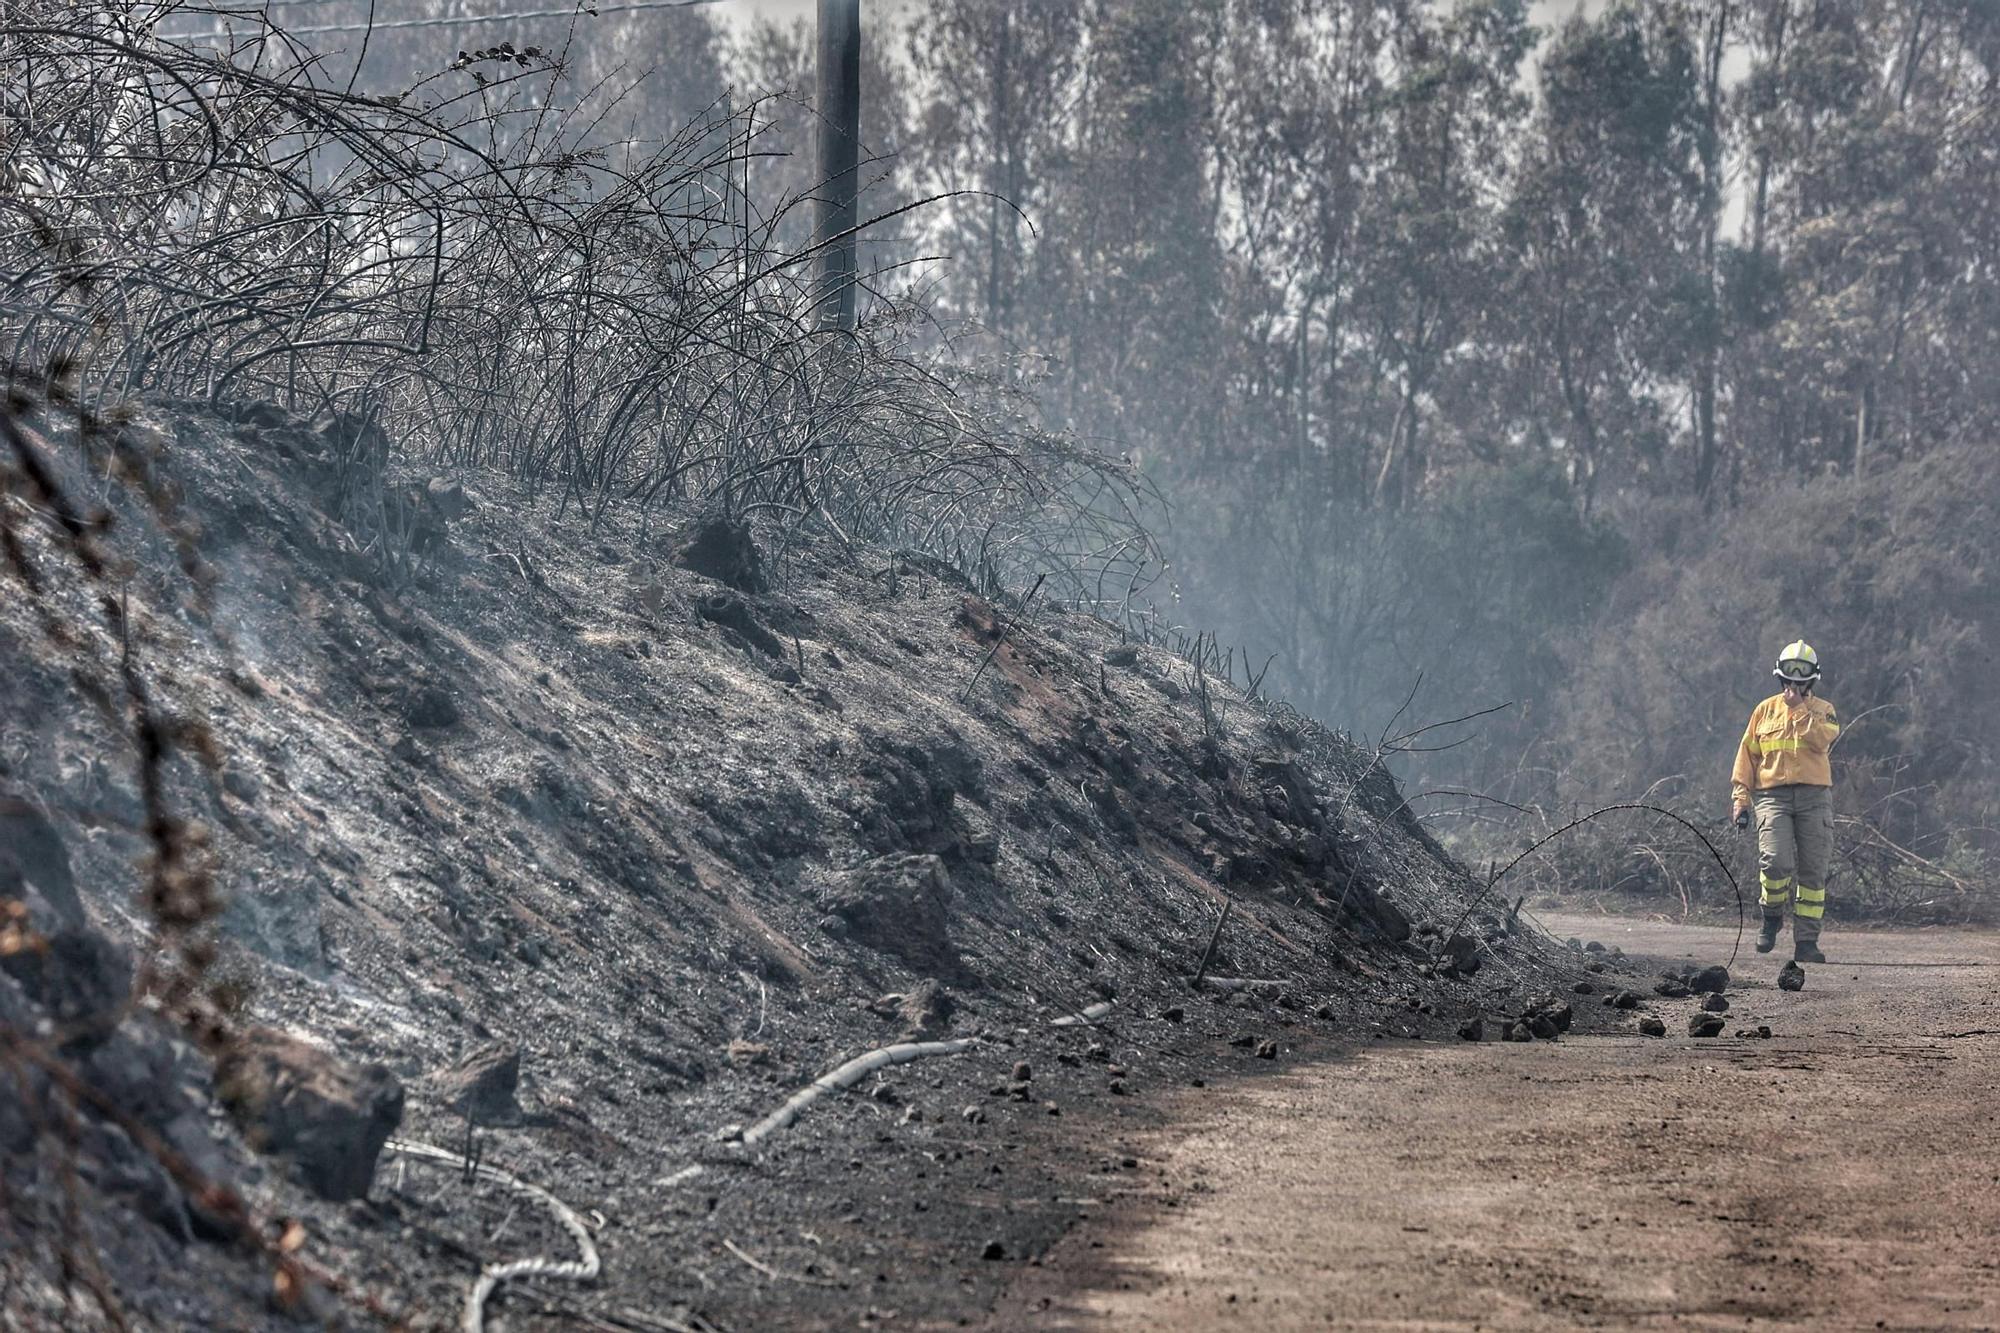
<point>498,696</point>
<point>512,681</point>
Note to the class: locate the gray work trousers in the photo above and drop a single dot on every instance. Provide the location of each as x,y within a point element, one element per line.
<point>1794,853</point>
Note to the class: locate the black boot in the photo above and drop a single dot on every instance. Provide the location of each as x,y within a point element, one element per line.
<point>1806,951</point>
<point>1767,938</point>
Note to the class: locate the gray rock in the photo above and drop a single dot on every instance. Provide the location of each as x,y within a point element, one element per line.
<point>1551,1008</point>
<point>111,1161</point>
<point>1461,954</point>
<point>1791,977</point>
<point>448,498</point>
<point>327,1117</point>
<point>916,779</point>
<point>136,1070</point>
<point>1705,1025</point>
<point>24,1087</point>
<point>734,614</point>
<point>1712,980</point>
<point>79,980</point>
<point>1651,1026</point>
<point>1377,908</point>
<point>483,1085</point>
<point>430,708</point>
<point>32,852</point>
<point>722,549</point>
<point>1716,1004</point>
<point>981,849</point>
<point>239,783</point>
<point>898,904</point>
<point>926,1010</point>
<point>278,917</point>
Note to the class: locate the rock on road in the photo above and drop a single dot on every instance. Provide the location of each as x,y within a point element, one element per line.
<point>1843,1174</point>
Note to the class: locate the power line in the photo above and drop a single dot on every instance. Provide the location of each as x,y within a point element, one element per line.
<point>579,11</point>
<point>209,10</point>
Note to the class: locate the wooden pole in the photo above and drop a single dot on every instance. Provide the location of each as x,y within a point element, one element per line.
<point>839,142</point>
<point>1208,954</point>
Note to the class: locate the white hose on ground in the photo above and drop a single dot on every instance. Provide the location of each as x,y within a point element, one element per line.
<point>586,1266</point>
<point>846,1076</point>
<point>1082,1016</point>
<point>581,1269</point>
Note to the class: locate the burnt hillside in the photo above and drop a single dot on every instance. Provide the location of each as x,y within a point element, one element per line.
<point>587,841</point>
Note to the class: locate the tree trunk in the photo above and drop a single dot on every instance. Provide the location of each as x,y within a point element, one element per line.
<point>1709,351</point>
<point>1395,441</point>
<point>1864,411</point>
<point>1001,203</point>
<point>839,140</point>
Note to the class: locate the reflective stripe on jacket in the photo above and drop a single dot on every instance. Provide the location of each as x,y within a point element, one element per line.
<point>1785,745</point>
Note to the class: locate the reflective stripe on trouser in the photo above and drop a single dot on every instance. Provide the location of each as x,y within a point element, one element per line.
<point>1794,849</point>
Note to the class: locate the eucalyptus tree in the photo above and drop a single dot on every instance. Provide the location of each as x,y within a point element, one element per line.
<point>1873,129</point>
<point>1604,227</point>
<point>998,115</point>
<point>1430,241</point>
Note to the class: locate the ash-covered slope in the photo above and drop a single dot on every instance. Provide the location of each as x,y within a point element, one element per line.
<point>672,818</point>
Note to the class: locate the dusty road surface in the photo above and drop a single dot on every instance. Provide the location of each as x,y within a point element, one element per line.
<point>1843,1174</point>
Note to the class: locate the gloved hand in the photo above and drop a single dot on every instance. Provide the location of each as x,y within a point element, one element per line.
<point>1742,816</point>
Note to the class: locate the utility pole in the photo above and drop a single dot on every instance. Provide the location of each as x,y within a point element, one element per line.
<point>839,159</point>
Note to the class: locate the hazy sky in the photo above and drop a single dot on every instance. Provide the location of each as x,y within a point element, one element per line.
<point>739,11</point>
<point>784,11</point>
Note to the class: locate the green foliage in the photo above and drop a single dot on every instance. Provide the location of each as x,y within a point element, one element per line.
<point>1610,299</point>
<point>1890,576</point>
<point>1410,307</point>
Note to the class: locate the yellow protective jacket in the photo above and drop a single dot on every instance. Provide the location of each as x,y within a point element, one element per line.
<point>1785,745</point>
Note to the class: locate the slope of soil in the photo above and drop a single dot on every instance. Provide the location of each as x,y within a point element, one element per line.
<point>685,846</point>
<point>1836,1175</point>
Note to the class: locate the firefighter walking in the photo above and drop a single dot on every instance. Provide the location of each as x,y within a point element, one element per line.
<point>1784,776</point>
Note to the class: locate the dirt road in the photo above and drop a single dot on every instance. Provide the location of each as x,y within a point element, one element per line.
<point>1843,1174</point>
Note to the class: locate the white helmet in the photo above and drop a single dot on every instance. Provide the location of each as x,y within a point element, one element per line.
<point>1797,663</point>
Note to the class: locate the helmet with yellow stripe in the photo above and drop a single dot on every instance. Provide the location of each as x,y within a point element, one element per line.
<point>1797,662</point>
